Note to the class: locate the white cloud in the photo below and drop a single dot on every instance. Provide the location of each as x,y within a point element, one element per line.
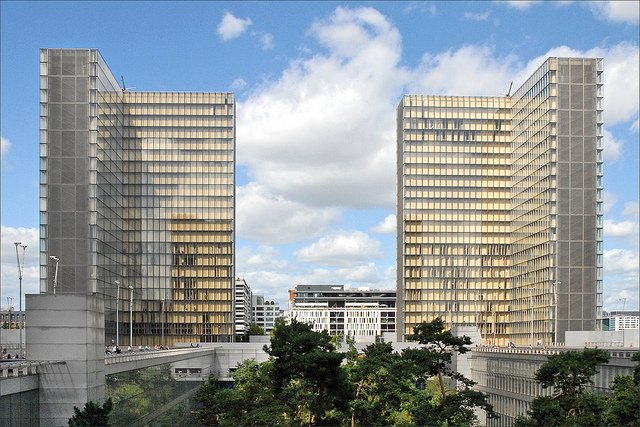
<point>621,262</point>
<point>520,4</point>
<point>366,273</point>
<point>5,145</point>
<point>426,8</point>
<point>330,115</point>
<point>479,16</point>
<point>238,84</point>
<point>387,226</point>
<point>9,272</point>
<point>231,27</point>
<point>341,248</point>
<point>266,40</point>
<point>631,210</point>
<point>264,257</point>
<point>612,147</point>
<point>620,228</point>
<point>622,292</point>
<point>616,11</point>
<point>470,70</point>
<point>609,200</point>
<point>263,217</point>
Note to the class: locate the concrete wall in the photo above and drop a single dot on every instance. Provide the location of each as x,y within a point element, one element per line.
<point>625,338</point>
<point>68,328</point>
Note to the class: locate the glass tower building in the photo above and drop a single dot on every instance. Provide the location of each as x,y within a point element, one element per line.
<point>137,201</point>
<point>500,207</point>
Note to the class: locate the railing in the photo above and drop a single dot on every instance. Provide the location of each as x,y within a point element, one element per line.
<point>134,356</point>
<point>23,368</point>
<point>524,350</point>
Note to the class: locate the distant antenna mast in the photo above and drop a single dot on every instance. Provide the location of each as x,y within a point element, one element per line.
<point>508,93</point>
<point>624,302</point>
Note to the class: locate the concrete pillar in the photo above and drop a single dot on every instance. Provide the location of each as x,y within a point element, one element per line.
<point>70,328</point>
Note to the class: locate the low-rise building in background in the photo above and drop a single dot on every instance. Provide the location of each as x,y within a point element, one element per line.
<point>265,312</point>
<point>362,314</point>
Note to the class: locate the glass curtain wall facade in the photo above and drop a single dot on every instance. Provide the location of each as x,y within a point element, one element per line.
<point>540,207</point>
<point>454,205</point>
<point>139,188</point>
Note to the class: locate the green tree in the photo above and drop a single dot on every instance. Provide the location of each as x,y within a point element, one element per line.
<point>131,403</point>
<point>250,403</point>
<point>571,371</point>
<point>452,406</point>
<point>93,414</point>
<point>383,383</point>
<point>571,405</point>
<point>622,405</point>
<point>255,329</point>
<point>307,360</point>
<point>218,406</point>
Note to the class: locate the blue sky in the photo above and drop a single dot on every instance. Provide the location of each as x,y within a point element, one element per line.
<point>317,85</point>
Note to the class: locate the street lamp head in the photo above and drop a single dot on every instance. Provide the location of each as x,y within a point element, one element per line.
<point>17,243</point>
<point>55,258</point>
<point>130,287</point>
<point>117,282</point>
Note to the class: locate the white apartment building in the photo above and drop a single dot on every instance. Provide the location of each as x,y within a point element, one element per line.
<point>243,311</point>
<point>361,314</point>
<point>621,320</point>
<point>265,313</point>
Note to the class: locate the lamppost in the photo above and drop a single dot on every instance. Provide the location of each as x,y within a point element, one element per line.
<point>555,312</point>
<point>55,274</point>
<point>20,268</point>
<point>117,282</point>
<point>531,307</point>
<point>162,319</point>
<point>131,315</point>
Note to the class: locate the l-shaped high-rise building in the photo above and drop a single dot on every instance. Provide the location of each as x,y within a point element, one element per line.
<point>500,207</point>
<point>137,201</point>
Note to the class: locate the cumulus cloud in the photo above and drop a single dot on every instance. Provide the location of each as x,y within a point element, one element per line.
<point>615,11</point>
<point>5,145</point>
<point>266,40</point>
<point>329,115</point>
<point>264,257</point>
<point>520,4</point>
<point>620,228</point>
<point>9,273</point>
<point>628,227</point>
<point>341,248</point>
<point>275,283</point>
<point>476,16</point>
<point>264,217</point>
<point>631,210</point>
<point>609,200</point>
<point>367,273</point>
<point>238,84</point>
<point>612,147</point>
<point>470,70</point>
<point>387,226</point>
<point>621,261</point>
<point>231,27</point>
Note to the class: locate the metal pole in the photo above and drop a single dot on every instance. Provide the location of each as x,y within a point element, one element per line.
<point>162,316</point>
<point>555,312</point>
<point>531,306</point>
<point>55,274</point>
<point>131,315</point>
<point>117,282</point>
<point>20,266</point>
